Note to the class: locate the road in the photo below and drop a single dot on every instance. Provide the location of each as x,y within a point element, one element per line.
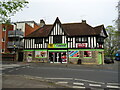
<point>75,76</point>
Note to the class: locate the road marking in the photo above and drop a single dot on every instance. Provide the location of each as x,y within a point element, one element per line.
<point>112,86</point>
<point>10,71</point>
<point>78,87</point>
<point>61,82</point>
<point>113,83</point>
<point>90,81</point>
<point>78,83</point>
<point>23,67</point>
<point>61,78</point>
<point>95,85</point>
<point>17,69</point>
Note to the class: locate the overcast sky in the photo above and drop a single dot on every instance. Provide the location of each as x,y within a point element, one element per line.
<point>95,12</point>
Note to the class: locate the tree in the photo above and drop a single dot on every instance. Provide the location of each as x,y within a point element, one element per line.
<point>111,42</point>
<point>9,8</point>
<point>118,23</point>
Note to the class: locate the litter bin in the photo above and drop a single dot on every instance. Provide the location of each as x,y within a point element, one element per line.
<point>79,61</point>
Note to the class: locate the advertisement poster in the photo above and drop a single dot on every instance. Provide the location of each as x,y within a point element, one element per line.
<point>73,53</point>
<point>29,56</point>
<point>87,54</point>
<point>40,54</point>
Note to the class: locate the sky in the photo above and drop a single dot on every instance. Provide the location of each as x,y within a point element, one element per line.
<point>95,12</point>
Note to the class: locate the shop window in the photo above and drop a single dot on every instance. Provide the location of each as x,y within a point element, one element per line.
<point>81,39</point>
<point>4,28</point>
<point>40,54</point>
<point>57,39</point>
<point>73,54</point>
<point>39,41</point>
<point>87,53</point>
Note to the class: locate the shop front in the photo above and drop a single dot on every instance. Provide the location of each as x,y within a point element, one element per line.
<point>57,56</point>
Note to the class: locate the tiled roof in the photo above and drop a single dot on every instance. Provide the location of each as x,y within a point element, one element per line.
<point>41,32</point>
<point>71,29</point>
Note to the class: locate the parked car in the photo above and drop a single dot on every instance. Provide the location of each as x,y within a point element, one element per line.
<point>117,58</point>
<point>108,60</point>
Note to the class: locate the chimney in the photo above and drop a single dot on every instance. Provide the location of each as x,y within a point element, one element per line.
<point>83,21</point>
<point>42,23</point>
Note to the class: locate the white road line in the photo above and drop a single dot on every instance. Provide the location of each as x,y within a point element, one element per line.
<point>113,83</point>
<point>17,69</point>
<point>95,85</point>
<point>78,87</point>
<point>23,67</point>
<point>90,81</point>
<point>61,82</point>
<point>10,71</point>
<point>78,83</point>
<point>112,86</point>
<point>61,78</point>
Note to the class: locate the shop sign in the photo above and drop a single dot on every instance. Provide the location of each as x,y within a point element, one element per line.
<point>83,45</point>
<point>50,45</point>
<point>60,45</point>
<point>57,45</point>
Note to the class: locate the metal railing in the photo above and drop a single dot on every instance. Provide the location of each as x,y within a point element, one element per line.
<point>15,33</point>
<point>15,44</point>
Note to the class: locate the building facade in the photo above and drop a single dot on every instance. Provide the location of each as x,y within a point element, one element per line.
<point>66,43</point>
<point>12,37</point>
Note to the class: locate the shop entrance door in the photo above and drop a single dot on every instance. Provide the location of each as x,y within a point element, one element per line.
<point>57,57</point>
<point>99,58</point>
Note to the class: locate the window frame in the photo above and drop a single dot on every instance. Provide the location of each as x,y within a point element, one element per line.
<point>39,41</point>
<point>81,39</point>
<point>3,39</point>
<point>57,39</point>
<point>100,39</point>
<point>89,56</point>
<point>4,28</point>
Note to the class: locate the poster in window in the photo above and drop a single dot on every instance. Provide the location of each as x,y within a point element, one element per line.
<point>73,53</point>
<point>87,54</point>
<point>29,56</point>
<point>40,54</point>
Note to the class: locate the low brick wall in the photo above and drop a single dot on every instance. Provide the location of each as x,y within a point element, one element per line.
<point>8,57</point>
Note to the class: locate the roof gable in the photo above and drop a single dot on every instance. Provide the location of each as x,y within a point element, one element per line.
<point>57,28</point>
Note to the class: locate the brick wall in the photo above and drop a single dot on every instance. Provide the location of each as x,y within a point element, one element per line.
<point>29,29</point>
<point>4,34</point>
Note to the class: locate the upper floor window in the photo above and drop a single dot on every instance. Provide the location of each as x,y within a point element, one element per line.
<point>100,40</point>
<point>4,28</point>
<point>3,39</point>
<point>81,39</point>
<point>2,50</point>
<point>57,39</point>
<point>38,40</point>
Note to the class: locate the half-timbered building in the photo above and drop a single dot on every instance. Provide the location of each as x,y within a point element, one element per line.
<point>66,43</point>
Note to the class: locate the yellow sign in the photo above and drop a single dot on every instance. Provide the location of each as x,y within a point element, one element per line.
<point>50,45</point>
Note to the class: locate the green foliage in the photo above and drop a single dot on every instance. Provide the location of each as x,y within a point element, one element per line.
<point>111,42</point>
<point>9,8</point>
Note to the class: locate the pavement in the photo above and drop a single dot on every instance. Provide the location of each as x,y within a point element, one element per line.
<point>25,81</point>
